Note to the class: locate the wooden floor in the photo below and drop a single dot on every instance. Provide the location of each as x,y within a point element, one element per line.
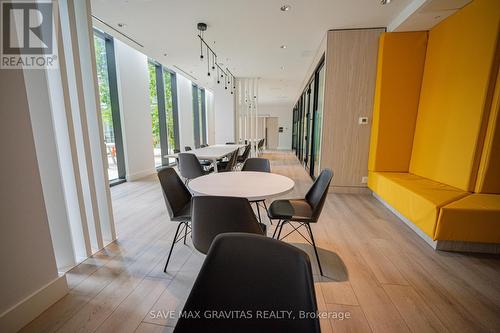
<point>379,273</point>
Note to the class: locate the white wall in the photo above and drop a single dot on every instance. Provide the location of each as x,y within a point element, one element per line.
<point>185,109</point>
<point>285,119</point>
<point>26,251</point>
<point>133,92</point>
<point>224,115</point>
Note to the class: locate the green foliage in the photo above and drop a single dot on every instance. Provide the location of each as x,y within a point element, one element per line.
<point>103,82</point>
<point>153,100</point>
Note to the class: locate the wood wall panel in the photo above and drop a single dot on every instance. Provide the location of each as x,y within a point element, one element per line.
<point>351,65</point>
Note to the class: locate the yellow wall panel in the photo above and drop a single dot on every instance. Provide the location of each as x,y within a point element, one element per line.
<point>459,59</point>
<point>400,68</point>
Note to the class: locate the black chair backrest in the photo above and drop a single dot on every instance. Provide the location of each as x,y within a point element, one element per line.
<point>177,151</point>
<point>231,163</point>
<point>203,145</point>
<point>190,166</point>
<point>187,148</point>
<point>229,143</point>
<point>246,152</point>
<point>261,143</point>
<point>212,216</point>
<point>316,195</point>
<point>257,164</point>
<point>175,193</point>
<point>246,274</point>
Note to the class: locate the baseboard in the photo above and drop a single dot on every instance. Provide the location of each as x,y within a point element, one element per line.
<point>474,247</point>
<point>141,174</point>
<point>349,189</point>
<point>32,306</point>
<point>410,224</point>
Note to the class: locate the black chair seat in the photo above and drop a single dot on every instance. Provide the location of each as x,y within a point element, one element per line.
<point>292,210</point>
<point>245,274</point>
<point>183,214</point>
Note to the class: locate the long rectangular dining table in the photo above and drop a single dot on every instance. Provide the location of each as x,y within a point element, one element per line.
<point>212,153</point>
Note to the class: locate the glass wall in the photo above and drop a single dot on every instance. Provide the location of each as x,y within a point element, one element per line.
<point>318,121</point>
<point>110,111</point>
<point>308,122</point>
<point>163,109</point>
<point>199,116</point>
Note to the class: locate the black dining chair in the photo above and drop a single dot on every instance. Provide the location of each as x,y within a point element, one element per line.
<point>178,200</point>
<point>228,166</point>
<point>190,167</point>
<point>203,145</point>
<point>243,157</point>
<point>261,145</point>
<point>302,211</point>
<point>187,148</point>
<point>212,216</point>
<point>259,165</point>
<point>230,143</point>
<point>247,275</point>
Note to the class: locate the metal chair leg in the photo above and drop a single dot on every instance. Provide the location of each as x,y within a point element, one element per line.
<point>185,233</point>
<point>276,229</point>
<point>265,206</point>
<point>172,247</point>
<point>314,246</point>
<point>281,227</point>
<point>258,211</point>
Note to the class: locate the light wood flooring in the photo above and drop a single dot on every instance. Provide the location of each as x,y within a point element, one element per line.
<point>378,271</point>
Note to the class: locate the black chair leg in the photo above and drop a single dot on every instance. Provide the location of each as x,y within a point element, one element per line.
<point>172,247</point>
<point>185,233</point>
<point>276,229</point>
<point>265,206</point>
<point>281,227</point>
<point>314,246</point>
<point>258,211</point>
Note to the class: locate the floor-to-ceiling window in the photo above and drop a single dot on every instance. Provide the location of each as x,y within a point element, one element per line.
<point>199,116</point>
<point>163,109</point>
<point>109,106</point>
<point>308,122</point>
<point>318,121</point>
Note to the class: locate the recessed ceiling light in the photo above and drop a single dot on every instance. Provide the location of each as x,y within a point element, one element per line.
<point>283,46</point>
<point>282,67</point>
<point>285,8</point>
<point>164,54</point>
<point>385,2</point>
<point>122,25</point>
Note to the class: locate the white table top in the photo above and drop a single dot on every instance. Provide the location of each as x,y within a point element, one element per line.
<point>212,153</point>
<point>246,184</point>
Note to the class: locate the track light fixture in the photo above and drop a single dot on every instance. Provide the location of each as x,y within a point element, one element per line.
<point>225,74</point>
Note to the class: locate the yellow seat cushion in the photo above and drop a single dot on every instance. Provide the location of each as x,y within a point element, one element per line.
<point>416,198</point>
<point>475,218</point>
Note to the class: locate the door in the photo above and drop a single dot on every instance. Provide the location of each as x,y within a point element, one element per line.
<point>272,132</point>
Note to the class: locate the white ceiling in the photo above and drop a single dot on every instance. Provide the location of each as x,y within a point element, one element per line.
<point>246,34</point>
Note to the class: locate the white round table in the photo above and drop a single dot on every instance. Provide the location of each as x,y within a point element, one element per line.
<point>252,185</point>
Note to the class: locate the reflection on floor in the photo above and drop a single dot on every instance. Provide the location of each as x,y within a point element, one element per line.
<point>379,274</point>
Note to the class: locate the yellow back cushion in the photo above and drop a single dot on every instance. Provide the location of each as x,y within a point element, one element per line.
<point>460,53</point>
<point>399,77</point>
<point>488,178</point>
